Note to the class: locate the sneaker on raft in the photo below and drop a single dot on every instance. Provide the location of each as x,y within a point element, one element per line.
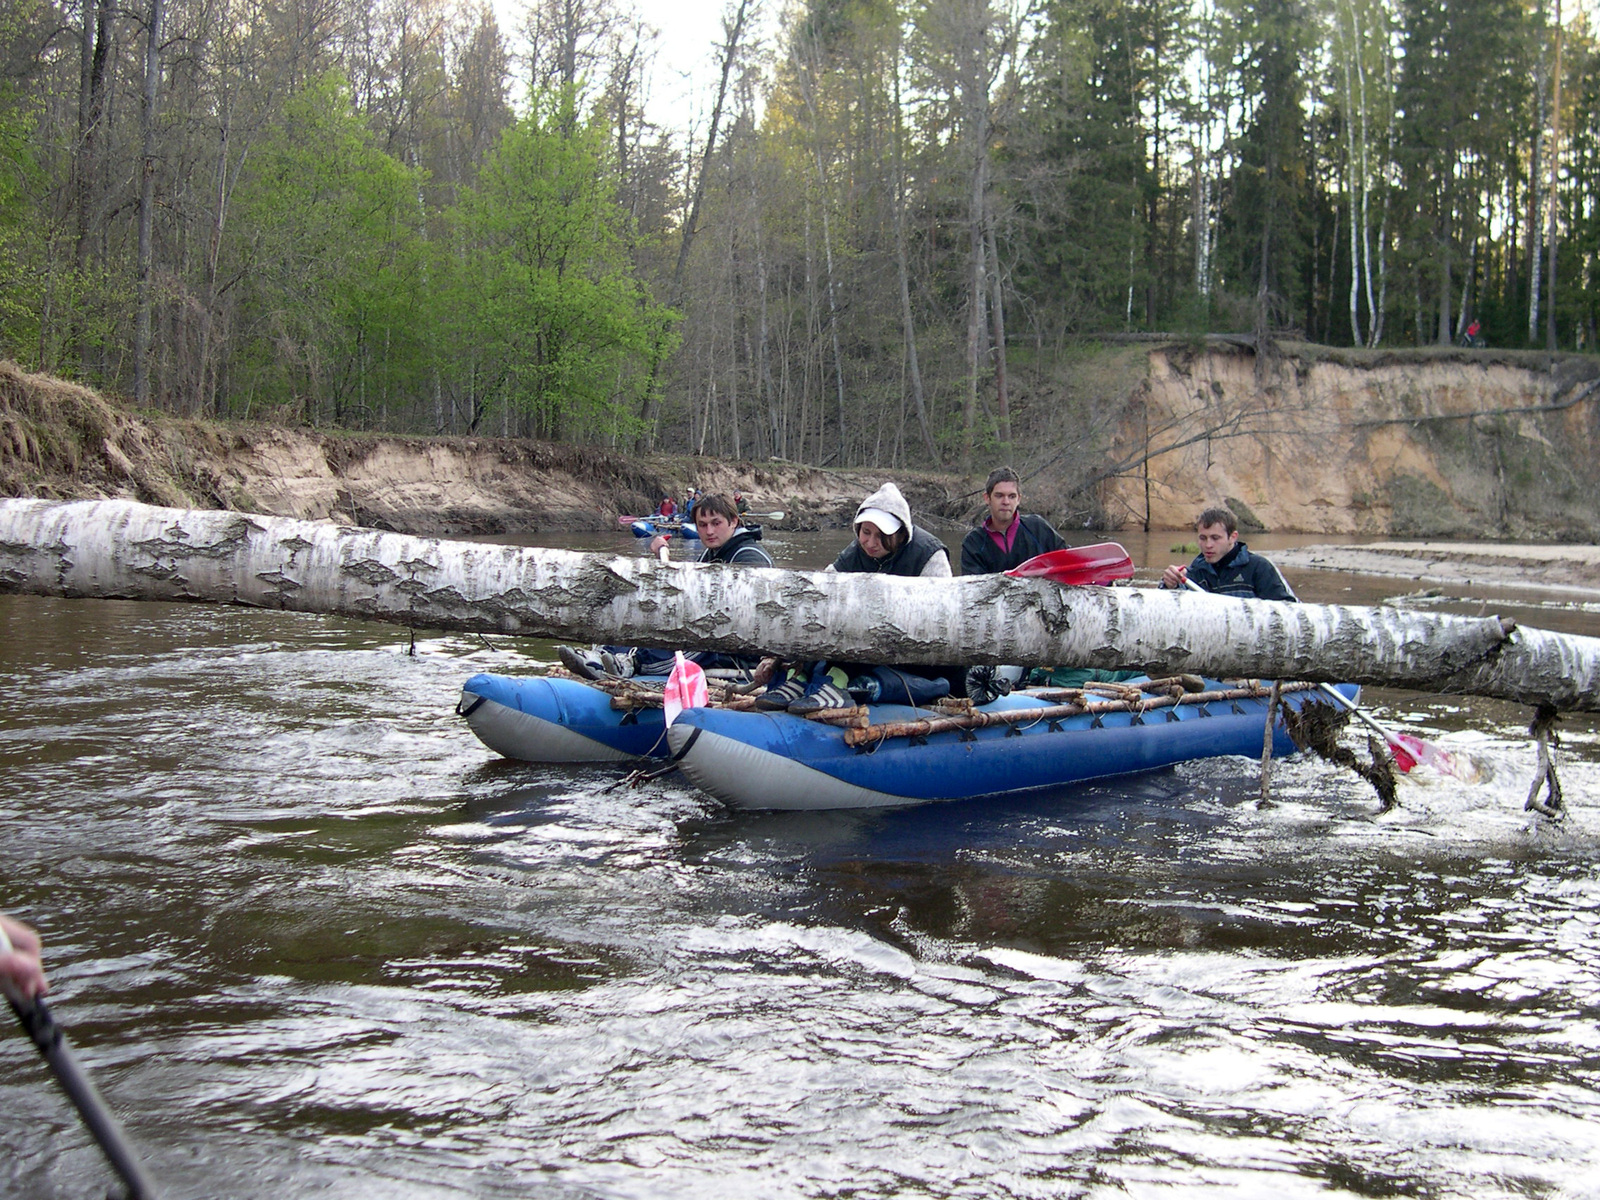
<point>829,695</point>
<point>781,696</point>
<point>623,663</point>
<point>585,664</point>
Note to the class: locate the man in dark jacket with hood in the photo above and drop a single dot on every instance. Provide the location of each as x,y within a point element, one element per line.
<point>724,537</point>
<point>1225,565</point>
<point>1006,538</point>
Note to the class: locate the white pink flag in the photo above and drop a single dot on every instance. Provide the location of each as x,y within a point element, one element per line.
<point>686,688</point>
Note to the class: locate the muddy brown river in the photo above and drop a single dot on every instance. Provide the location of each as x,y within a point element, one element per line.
<point>313,940</point>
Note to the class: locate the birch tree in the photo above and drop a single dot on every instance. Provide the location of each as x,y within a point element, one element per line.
<point>1362,44</point>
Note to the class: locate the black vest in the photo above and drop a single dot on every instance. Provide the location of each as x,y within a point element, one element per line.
<point>741,548</point>
<point>908,560</point>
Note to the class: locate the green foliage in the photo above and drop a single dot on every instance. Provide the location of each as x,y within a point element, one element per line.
<point>1085,185</point>
<point>1264,231</point>
<point>1463,78</point>
<point>21,282</point>
<point>541,283</point>
<point>335,314</point>
<point>402,251</point>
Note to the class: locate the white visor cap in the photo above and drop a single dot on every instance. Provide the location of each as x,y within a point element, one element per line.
<point>886,522</point>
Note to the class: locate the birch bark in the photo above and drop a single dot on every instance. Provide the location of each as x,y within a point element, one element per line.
<point>119,549</point>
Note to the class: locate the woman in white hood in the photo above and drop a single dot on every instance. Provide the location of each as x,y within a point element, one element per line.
<point>887,543</point>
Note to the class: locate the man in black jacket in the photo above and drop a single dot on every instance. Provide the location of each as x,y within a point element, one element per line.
<point>1225,565</point>
<point>725,539</point>
<point>1006,538</point>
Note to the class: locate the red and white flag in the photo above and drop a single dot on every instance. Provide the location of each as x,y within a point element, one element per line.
<point>686,688</point>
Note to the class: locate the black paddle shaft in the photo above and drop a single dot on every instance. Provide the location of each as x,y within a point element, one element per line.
<point>41,1027</point>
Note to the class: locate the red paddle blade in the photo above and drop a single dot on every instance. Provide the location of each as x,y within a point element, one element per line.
<point>1403,757</point>
<point>1078,565</point>
<point>1440,759</point>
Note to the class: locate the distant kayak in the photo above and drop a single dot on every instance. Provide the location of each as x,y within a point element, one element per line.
<point>644,527</point>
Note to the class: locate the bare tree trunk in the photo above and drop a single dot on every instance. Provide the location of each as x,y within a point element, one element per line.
<point>809,73</point>
<point>1442,332</point>
<point>1555,176</point>
<point>975,304</point>
<point>1355,163</point>
<point>1535,226</point>
<point>206,390</point>
<point>902,268</point>
<point>833,308</point>
<point>95,54</point>
<point>997,317</point>
<point>1262,325</point>
<point>1376,315</point>
<point>120,549</point>
<point>147,202</point>
<point>734,29</point>
<point>765,386</point>
<point>974,67</point>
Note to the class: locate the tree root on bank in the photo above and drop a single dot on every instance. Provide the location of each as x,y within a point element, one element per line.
<point>1317,727</point>
<point>1543,730</point>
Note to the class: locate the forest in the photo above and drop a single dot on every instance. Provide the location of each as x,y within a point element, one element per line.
<point>886,233</point>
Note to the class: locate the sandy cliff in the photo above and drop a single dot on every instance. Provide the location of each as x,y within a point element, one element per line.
<point>1419,444</point>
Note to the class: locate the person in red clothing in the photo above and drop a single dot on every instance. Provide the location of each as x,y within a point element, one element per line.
<point>668,507</point>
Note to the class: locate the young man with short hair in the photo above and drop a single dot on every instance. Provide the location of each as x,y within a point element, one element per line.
<point>723,536</point>
<point>723,540</point>
<point>1006,538</point>
<point>1225,565</point>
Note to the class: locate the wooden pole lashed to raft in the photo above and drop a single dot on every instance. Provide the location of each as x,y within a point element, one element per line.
<point>957,714</point>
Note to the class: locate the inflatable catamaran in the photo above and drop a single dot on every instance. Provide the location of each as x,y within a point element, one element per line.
<point>885,755</point>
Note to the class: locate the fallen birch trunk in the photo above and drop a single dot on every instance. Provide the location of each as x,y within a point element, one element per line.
<point>119,549</point>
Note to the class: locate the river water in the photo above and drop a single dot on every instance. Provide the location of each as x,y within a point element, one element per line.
<point>312,939</point>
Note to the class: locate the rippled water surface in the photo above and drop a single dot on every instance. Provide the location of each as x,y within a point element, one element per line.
<point>313,939</point>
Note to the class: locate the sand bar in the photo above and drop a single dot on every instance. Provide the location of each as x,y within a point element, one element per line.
<point>1453,564</point>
